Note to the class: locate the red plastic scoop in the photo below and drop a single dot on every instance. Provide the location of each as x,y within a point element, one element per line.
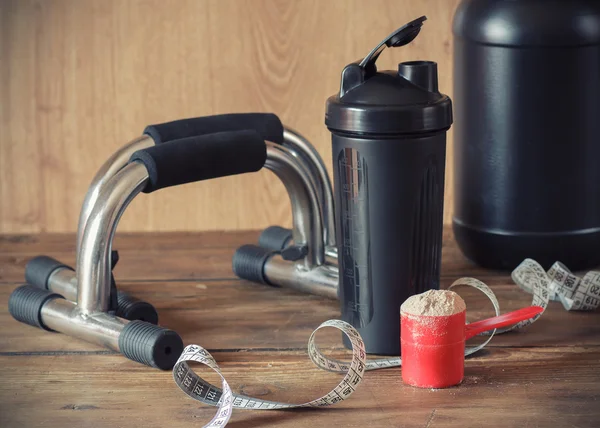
<point>433,347</point>
<point>504,320</point>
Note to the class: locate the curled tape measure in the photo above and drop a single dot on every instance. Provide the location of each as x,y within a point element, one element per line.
<point>529,276</point>
<point>197,388</point>
<point>575,294</point>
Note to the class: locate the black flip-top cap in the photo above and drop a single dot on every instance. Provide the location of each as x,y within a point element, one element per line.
<point>406,101</point>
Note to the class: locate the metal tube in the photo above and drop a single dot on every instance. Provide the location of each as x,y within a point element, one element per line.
<point>93,264</point>
<point>331,256</point>
<point>100,328</point>
<point>113,165</point>
<point>308,226</point>
<point>320,280</point>
<point>320,177</point>
<point>64,282</point>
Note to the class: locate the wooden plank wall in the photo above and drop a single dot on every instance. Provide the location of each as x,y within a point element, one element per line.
<point>79,78</point>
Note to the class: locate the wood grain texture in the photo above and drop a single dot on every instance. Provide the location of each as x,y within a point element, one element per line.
<point>80,78</point>
<point>545,375</point>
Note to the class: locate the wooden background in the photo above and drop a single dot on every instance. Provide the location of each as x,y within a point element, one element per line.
<point>78,79</point>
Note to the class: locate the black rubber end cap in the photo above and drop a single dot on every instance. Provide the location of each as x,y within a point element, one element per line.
<point>275,238</point>
<point>150,344</point>
<point>25,304</point>
<point>248,262</point>
<point>131,308</point>
<point>39,269</point>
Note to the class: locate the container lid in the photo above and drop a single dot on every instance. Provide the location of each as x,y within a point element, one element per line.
<point>389,102</point>
<point>529,22</point>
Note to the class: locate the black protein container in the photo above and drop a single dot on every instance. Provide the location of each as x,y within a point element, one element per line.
<point>389,150</point>
<point>527,133</point>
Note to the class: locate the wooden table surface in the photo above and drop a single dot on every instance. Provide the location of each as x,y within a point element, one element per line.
<point>545,375</point>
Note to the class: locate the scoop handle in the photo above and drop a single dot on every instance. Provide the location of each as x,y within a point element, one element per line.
<point>502,320</point>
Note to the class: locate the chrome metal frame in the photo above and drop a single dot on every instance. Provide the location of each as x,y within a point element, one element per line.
<point>299,147</point>
<point>309,165</point>
<point>116,184</point>
<point>93,264</point>
<point>296,163</point>
<point>308,155</point>
<point>310,274</point>
<point>88,319</point>
<point>112,165</point>
<point>306,212</point>
<point>321,280</point>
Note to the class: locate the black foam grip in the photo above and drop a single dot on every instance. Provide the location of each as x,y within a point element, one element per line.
<point>202,158</point>
<point>267,125</point>
<point>150,344</point>
<point>275,238</point>
<point>39,269</point>
<point>131,308</point>
<point>25,304</point>
<point>249,261</point>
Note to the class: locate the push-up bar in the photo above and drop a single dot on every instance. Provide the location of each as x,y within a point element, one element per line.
<point>54,275</point>
<point>177,162</point>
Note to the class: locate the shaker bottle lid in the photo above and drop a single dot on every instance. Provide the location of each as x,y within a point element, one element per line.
<point>390,102</point>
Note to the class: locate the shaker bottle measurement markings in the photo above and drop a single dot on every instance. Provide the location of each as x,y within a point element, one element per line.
<point>355,218</point>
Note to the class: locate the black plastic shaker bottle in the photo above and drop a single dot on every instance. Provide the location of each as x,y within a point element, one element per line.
<point>527,133</point>
<point>389,151</point>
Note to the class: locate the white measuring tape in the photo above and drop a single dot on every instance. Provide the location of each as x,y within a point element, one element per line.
<point>529,276</point>
<point>576,294</point>
<point>197,388</point>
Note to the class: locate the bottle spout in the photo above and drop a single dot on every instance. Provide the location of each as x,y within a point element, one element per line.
<point>421,73</point>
